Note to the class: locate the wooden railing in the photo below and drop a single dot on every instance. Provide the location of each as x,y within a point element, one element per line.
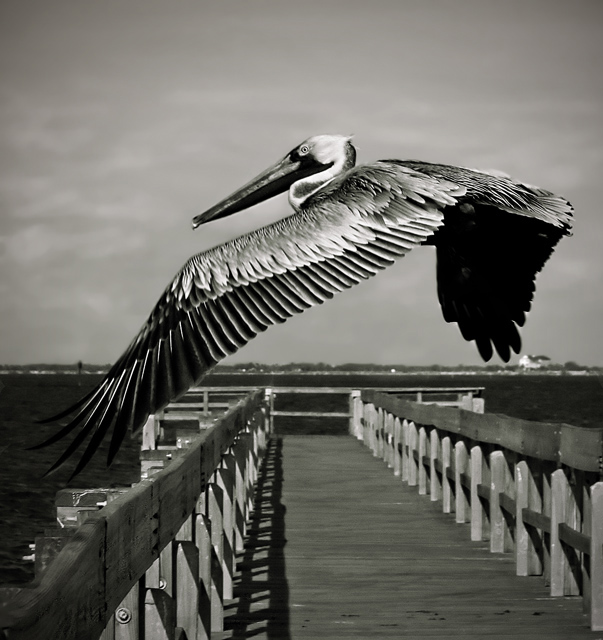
<point>532,489</point>
<point>158,560</point>
<point>469,398</point>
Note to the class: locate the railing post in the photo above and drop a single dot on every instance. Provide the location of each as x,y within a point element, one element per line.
<point>446,464</point>
<point>150,431</point>
<point>527,558</point>
<point>240,517</point>
<point>563,582</point>
<point>187,587</point>
<point>125,623</point>
<point>413,445</point>
<point>421,461</point>
<point>404,443</point>
<point>205,402</point>
<point>500,536</point>
<point>355,414</point>
<point>204,546</point>
<point>380,433</point>
<point>434,456</point>
<point>391,450</point>
<point>596,557</point>
<point>461,504</point>
<point>478,512</point>
<point>226,479</point>
<point>397,446</point>
<point>215,510</point>
<point>269,408</point>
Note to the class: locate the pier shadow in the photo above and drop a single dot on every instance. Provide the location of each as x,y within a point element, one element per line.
<point>261,603</point>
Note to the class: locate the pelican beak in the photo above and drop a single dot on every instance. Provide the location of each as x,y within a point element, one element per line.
<point>274,180</point>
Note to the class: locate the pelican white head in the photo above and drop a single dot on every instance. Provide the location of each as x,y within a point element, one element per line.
<point>305,169</point>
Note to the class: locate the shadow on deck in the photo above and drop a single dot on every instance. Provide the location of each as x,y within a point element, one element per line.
<point>261,604</point>
<point>365,556</point>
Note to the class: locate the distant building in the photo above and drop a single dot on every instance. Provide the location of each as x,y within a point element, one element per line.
<point>533,362</point>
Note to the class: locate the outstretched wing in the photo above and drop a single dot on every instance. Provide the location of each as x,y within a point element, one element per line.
<point>350,230</point>
<point>487,260</point>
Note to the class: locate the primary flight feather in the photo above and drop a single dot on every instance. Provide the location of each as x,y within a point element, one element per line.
<point>492,236</point>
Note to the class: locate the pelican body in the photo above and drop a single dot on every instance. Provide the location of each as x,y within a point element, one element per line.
<point>492,235</point>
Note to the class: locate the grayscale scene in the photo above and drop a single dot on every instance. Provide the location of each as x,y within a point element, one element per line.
<point>301,319</point>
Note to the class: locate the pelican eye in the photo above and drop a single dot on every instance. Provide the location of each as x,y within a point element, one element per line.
<point>304,150</point>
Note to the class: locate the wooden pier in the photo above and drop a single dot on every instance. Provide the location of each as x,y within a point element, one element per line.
<point>423,532</point>
<point>340,548</point>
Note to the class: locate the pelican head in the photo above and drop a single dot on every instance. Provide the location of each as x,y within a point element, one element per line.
<point>303,171</point>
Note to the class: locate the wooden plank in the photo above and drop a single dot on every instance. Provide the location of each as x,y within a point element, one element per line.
<point>596,558</point>
<point>528,555</point>
<point>483,491</point>
<point>203,541</point>
<point>507,503</point>
<point>581,448</point>
<point>69,601</point>
<point>312,414</point>
<point>94,572</point>
<point>461,461</point>
<point>126,620</point>
<point>387,563</point>
<point>578,541</point>
<point>479,520</point>
<point>536,520</point>
<point>187,587</point>
<point>159,615</point>
<point>577,447</point>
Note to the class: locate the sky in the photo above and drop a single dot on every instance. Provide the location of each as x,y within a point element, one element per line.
<point>120,121</point>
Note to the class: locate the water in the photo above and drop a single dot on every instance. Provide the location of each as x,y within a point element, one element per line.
<point>27,499</point>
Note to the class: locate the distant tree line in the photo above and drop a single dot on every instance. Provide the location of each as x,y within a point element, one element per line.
<point>303,367</point>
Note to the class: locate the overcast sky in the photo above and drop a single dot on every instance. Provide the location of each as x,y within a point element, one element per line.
<point>119,121</point>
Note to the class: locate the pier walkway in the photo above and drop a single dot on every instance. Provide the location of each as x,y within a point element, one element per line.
<point>338,547</point>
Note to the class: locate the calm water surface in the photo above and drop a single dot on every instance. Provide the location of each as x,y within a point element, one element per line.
<point>27,499</point>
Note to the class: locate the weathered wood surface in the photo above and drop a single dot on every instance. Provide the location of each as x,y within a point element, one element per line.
<point>341,548</point>
<point>576,447</point>
<point>111,551</point>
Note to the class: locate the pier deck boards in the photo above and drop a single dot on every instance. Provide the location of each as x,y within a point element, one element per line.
<point>340,548</point>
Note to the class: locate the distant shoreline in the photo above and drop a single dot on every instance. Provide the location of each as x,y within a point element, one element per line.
<point>338,372</point>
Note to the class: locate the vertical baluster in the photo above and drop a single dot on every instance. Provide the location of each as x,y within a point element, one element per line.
<point>461,504</point>
<point>413,445</point>
<point>421,462</point>
<point>397,447</point>
<point>447,493</point>
<point>215,509</point>
<point>596,557</point>
<point>203,541</point>
<point>528,555</point>
<point>435,452</point>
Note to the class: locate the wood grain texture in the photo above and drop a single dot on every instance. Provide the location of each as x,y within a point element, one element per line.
<point>576,447</point>
<point>345,550</point>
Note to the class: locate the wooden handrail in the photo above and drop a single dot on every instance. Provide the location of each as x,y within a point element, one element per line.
<point>111,551</point>
<point>577,447</point>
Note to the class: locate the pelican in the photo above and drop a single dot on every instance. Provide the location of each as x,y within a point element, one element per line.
<point>492,235</point>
